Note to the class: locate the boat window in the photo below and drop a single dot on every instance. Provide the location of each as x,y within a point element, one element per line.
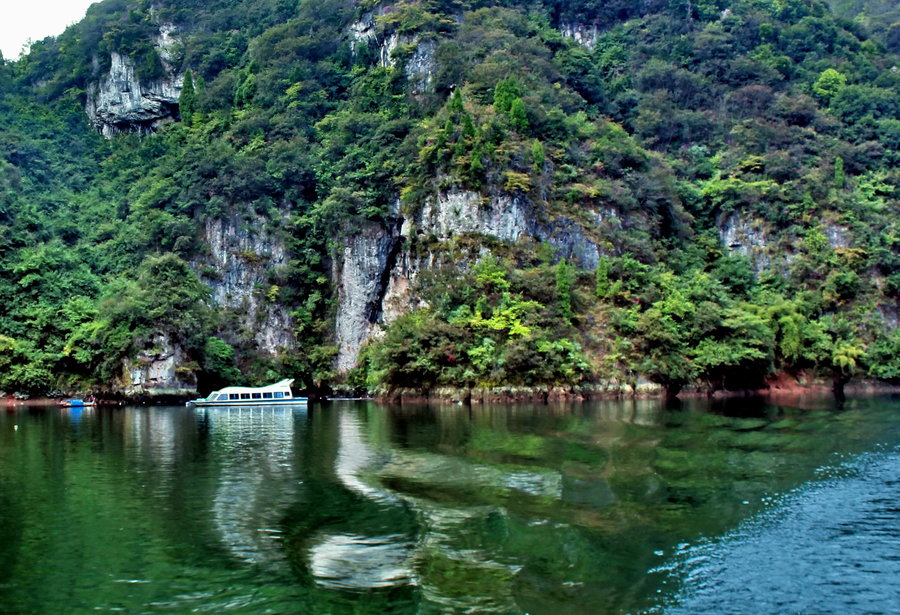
<point>214,397</point>
<point>267,396</point>
<point>257,396</point>
<point>279,395</point>
<point>245,395</point>
<point>235,396</point>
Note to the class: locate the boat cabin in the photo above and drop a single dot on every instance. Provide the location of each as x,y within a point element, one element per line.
<point>277,393</point>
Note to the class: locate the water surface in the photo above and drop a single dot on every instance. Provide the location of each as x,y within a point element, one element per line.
<point>601,508</point>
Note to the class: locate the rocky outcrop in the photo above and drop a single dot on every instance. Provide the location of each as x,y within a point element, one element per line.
<point>241,254</point>
<point>507,217</point>
<point>162,369</point>
<point>570,241</point>
<point>120,102</point>
<point>399,298</point>
<point>362,275</point>
<point>414,51</point>
<point>458,212</point>
<point>746,238</point>
<point>838,236</point>
<point>362,31</point>
<point>376,271</point>
<point>421,66</point>
<point>583,34</point>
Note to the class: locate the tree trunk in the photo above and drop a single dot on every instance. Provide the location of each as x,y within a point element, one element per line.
<point>673,389</point>
<point>839,381</point>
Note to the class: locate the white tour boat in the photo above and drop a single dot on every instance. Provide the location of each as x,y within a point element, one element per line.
<point>278,394</point>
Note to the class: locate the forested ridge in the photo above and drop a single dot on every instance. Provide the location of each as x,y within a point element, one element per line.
<point>731,168</point>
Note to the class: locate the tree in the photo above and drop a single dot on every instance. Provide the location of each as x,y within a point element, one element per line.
<point>187,100</point>
<point>505,92</point>
<point>839,177</point>
<point>164,298</point>
<point>845,357</point>
<point>518,119</point>
<point>456,101</point>
<point>537,156</point>
<point>565,280</point>
<point>883,357</point>
<point>828,84</point>
<point>738,353</point>
<point>601,278</point>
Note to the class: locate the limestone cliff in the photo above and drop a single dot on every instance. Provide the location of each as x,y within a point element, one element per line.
<point>120,102</point>
<point>747,238</point>
<point>361,274</point>
<point>584,34</point>
<point>377,267</point>
<point>241,252</point>
<point>414,52</point>
<point>161,369</point>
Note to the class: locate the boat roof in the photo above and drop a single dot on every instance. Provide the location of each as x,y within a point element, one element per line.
<point>281,385</point>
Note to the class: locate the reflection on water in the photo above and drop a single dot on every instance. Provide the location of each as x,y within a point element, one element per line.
<point>352,561</point>
<point>256,479</point>
<point>357,508</point>
<point>361,562</point>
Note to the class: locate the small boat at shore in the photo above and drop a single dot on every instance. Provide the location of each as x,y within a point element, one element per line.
<point>278,394</point>
<point>77,403</point>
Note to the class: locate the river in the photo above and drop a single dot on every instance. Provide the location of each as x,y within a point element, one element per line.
<point>738,507</point>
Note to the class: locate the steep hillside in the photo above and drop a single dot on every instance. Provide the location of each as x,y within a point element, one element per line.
<point>881,18</point>
<point>449,193</point>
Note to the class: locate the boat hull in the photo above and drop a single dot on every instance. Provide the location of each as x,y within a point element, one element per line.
<point>294,401</point>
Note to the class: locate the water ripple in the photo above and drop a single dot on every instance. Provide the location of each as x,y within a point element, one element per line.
<point>829,548</point>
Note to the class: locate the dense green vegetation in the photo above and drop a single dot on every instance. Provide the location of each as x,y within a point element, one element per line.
<point>682,120</point>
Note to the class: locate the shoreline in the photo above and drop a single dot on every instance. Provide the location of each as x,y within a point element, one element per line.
<point>501,395</point>
<point>778,390</point>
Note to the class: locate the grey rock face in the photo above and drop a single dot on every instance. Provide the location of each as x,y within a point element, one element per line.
<point>457,212</point>
<point>376,271</point>
<point>362,31</point>
<point>747,239</point>
<point>570,241</point>
<point>509,218</point>
<point>583,34</point>
<point>838,236</point>
<point>160,370</point>
<point>398,296</point>
<point>420,65</point>
<point>241,252</point>
<point>361,274</point>
<point>119,102</point>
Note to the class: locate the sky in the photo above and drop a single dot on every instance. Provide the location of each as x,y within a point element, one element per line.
<point>21,20</point>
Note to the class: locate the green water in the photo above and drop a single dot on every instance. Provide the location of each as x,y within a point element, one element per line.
<point>358,508</point>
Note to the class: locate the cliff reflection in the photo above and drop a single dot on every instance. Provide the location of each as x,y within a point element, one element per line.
<point>256,480</point>
<point>359,508</point>
<point>481,491</point>
<point>495,509</point>
<point>352,560</point>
